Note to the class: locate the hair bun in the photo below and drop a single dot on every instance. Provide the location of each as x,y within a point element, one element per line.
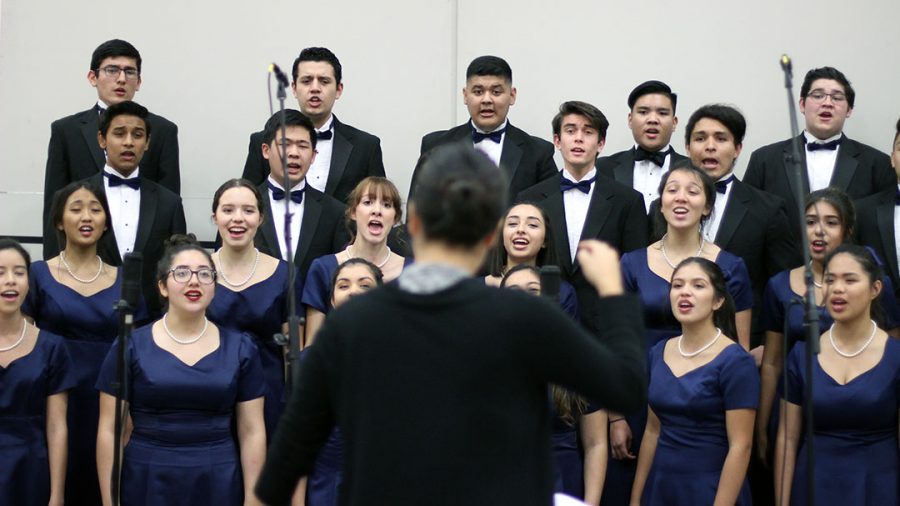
<point>180,240</point>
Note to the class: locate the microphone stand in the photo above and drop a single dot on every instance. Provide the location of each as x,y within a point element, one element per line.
<point>811,318</point>
<point>292,340</point>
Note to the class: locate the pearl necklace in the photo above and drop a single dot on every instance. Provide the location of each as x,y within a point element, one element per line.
<point>249,276</point>
<point>857,352</point>
<point>382,264</point>
<point>185,341</point>
<point>701,350</point>
<point>21,337</point>
<point>662,243</point>
<point>62,257</point>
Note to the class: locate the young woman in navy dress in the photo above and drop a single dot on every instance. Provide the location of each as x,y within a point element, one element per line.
<point>373,208</point>
<point>575,475</point>
<point>687,196</point>
<point>251,289</point>
<point>74,295</point>
<point>195,432</point>
<point>35,375</point>
<point>856,396</point>
<point>703,394</point>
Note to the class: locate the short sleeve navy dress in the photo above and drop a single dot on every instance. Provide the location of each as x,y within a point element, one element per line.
<point>660,325</point>
<point>88,326</point>
<point>182,450</point>
<point>855,432</point>
<point>25,385</point>
<point>259,310</point>
<point>693,439</point>
<point>317,287</point>
<point>567,455</point>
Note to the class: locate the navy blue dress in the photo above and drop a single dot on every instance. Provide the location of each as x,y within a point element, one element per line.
<point>25,385</point>
<point>693,439</point>
<point>567,455</point>
<point>182,449</point>
<point>660,325</point>
<point>260,310</point>
<point>855,432</point>
<point>317,289</point>
<point>88,325</point>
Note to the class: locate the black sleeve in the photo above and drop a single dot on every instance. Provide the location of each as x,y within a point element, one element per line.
<point>546,167</point>
<point>783,250</point>
<point>169,167</point>
<point>253,167</point>
<point>376,161</point>
<point>56,176</point>
<point>755,170</point>
<point>636,227</point>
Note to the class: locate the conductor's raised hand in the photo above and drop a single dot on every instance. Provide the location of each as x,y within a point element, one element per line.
<point>600,263</point>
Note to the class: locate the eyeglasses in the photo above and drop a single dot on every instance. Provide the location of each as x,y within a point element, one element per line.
<point>819,96</point>
<point>205,275</point>
<point>113,71</point>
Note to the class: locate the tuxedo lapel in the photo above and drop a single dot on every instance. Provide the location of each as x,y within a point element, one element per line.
<point>845,165</point>
<point>340,154</point>
<point>147,215</point>
<point>552,202</point>
<point>312,210</point>
<point>624,171</point>
<point>733,216</point>
<point>597,213</point>
<point>107,248</point>
<point>512,151</point>
<point>90,125</point>
<point>789,167</point>
<point>885,217</point>
<point>269,236</point>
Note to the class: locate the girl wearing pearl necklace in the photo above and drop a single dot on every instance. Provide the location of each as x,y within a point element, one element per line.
<point>856,380</point>
<point>373,208</point>
<point>703,394</point>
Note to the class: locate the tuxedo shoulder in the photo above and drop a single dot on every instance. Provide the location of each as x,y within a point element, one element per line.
<point>867,149</point>
<point>162,193</point>
<point>71,119</point>
<point>539,191</point>
<point>328,202</point>
<point>355,133</point>
<point>872,201</point>
<point>439,137</point>
<point>620,190</point>
<point>160,122</point>
<point>775,147</point>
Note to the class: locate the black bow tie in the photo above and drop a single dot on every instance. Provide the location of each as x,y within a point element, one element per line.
<point>658,158</point>
<point>722,186</point>
<point>324,135</point>
<point>278,193</point>
<point>583,186</point>
<point>830,145</point>
<point>134,183</point>
<point>496,136</point>
<point>100,110</point>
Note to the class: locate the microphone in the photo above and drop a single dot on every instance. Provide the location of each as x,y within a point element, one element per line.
<point>786,64</point>
<point>279,75</point>
<point>550,282</point>
<point>131,280</point>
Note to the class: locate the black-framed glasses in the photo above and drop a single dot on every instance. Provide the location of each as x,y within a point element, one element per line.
<point>113,71</point>
<point>819,96</point>
<point>205,275</point>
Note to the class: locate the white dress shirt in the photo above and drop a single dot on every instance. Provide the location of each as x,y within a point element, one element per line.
<point>125,208</point>
<point>711,228</point>
<point>820,163</point>
<point>317,176</point>
<point>576,206</point>
<point>277,207</point>
<point>492,149</point>
<point>647,176</point>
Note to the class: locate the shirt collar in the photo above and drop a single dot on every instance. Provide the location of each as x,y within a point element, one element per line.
<point>500,127</point>
<point>113,171</point>
<point>810,138</point>
<point>328,124</point>
<point>570,177</point>
<point>299,186</point>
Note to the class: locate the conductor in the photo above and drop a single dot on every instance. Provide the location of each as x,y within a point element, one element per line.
<point>440,383</point>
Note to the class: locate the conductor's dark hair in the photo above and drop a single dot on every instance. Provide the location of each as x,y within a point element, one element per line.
<point>111,49</point>
<point>318,54</point>
<point>841,203</point>
<point>546,255</point>
<point>723,317</point>
<point>489,66</point>
<point>373,269</point>
<point>709,190</point>
<point>652,88</point>
<point>872,269</point>
<point>292,118</point>
<point>126,108</point>
<point>58,207</point>
<point>597,119</point>
<point>828,73</point>
<point>459,195</point>
<point>7,243</point>
<point>725,114</point>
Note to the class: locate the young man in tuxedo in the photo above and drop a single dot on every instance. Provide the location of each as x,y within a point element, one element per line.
<point>346,155</point>
<point>829,157</point>
<point>652,121</point>
<point>878,220</point>
<point>74,153</point>
<point>143,213</point>
<point>317,219</point>
<point>579,205</point>
<point>488,95</point>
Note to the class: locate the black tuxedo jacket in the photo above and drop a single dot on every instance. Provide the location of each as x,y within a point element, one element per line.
<point>322,230</point>
<point>875,228</point>
<point>526,160</point>
<point>74,154</point>
<point>161,215</point>
<point>860,170</point>
<point>355,155</point>
<point>620,166</point>
<point>616,215</point>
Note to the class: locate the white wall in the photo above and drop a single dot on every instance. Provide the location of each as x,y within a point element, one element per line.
<point>404,61</point>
